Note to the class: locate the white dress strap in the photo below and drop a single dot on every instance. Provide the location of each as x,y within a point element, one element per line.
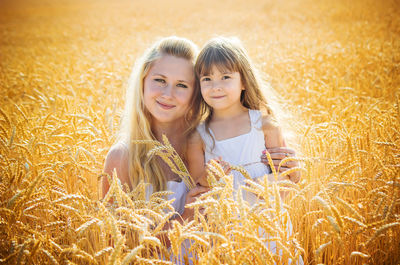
<point>205,136</point>
<point>255,118</point>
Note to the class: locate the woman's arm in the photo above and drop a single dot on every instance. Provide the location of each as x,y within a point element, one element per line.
<point>117,158</point>
<point>187,214</point>
<point>276,146</point>
<point>195,159</point>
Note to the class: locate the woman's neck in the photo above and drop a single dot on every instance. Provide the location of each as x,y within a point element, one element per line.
<point>173,131</point>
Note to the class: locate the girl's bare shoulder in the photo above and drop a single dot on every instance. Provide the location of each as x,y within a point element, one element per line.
<point>269,123</point>
<point>272,132</point>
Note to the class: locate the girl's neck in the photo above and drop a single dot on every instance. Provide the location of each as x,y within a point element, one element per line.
<point>228,113</point>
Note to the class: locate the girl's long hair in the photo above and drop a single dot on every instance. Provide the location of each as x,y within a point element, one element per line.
<point>136,120</point>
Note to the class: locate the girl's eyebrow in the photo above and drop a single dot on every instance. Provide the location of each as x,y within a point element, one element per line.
<point>227,71</point>
<point>223,73</point>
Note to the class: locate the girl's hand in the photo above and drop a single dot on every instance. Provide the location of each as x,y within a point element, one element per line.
<point>192,196</point>
<point>279,153</point>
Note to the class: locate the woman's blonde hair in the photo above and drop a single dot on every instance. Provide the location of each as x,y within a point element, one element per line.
<point>229,54</point>
<point>136,120</point>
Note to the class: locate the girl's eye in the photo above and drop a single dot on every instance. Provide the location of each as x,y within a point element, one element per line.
<point>225,77</point>
<point>182,85</point>
<point>205,79</point>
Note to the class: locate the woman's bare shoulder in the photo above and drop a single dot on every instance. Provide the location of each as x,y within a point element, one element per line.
<point>117,151</point>
<point>117,158</point>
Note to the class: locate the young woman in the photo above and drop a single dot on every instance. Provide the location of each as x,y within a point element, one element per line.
<point>160,100</point>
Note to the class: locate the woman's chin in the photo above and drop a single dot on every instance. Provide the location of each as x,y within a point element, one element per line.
<point>167,118</point>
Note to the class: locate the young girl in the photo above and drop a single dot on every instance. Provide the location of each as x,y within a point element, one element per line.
<point>239,124</point>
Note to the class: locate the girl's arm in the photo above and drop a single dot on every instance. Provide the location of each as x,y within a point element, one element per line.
<point>276,146</point>
<point>272,133</point>
<point>195,159</point>
<point>117,158</point>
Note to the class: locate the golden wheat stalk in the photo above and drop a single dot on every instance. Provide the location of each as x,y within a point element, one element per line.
<point>170,156</point>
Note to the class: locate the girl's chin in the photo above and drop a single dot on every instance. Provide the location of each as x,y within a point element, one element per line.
<point>217,106</point>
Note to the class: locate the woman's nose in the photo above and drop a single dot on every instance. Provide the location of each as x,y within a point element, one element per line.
<point>167,91</point>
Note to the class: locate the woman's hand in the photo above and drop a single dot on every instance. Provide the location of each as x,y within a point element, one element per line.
<point>192,196</point>
<point>226,167</point>
<point>279,153</point>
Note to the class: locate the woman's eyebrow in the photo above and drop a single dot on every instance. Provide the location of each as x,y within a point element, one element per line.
<point>159,75</point>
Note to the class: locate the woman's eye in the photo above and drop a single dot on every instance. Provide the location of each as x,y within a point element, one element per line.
<point>160,80</point>
<point>182,85</point>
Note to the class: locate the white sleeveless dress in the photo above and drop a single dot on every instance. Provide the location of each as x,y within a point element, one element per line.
<point>179,189</point>
<point>244,150</point>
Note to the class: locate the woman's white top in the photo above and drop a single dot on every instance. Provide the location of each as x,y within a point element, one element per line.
<point>178,189</point>
<point>244,150</point>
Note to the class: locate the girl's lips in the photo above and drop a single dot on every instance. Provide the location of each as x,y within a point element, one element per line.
<point>165,106</point>
<point>218,97</point>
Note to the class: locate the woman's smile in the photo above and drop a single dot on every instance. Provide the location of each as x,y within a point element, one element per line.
<point>165,105</point>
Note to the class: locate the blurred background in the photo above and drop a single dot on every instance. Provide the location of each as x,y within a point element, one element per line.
<point>64,66</point>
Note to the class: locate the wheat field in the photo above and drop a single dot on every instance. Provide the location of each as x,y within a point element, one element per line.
<point>64,66</point>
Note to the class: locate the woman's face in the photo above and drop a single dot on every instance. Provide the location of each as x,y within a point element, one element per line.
<point>168,88</point>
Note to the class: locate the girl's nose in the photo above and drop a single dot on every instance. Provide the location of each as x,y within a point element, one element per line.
<point>216,85</point>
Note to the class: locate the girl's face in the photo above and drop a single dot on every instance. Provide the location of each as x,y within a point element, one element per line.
<point>221,89</point>
<point>168,88</point>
